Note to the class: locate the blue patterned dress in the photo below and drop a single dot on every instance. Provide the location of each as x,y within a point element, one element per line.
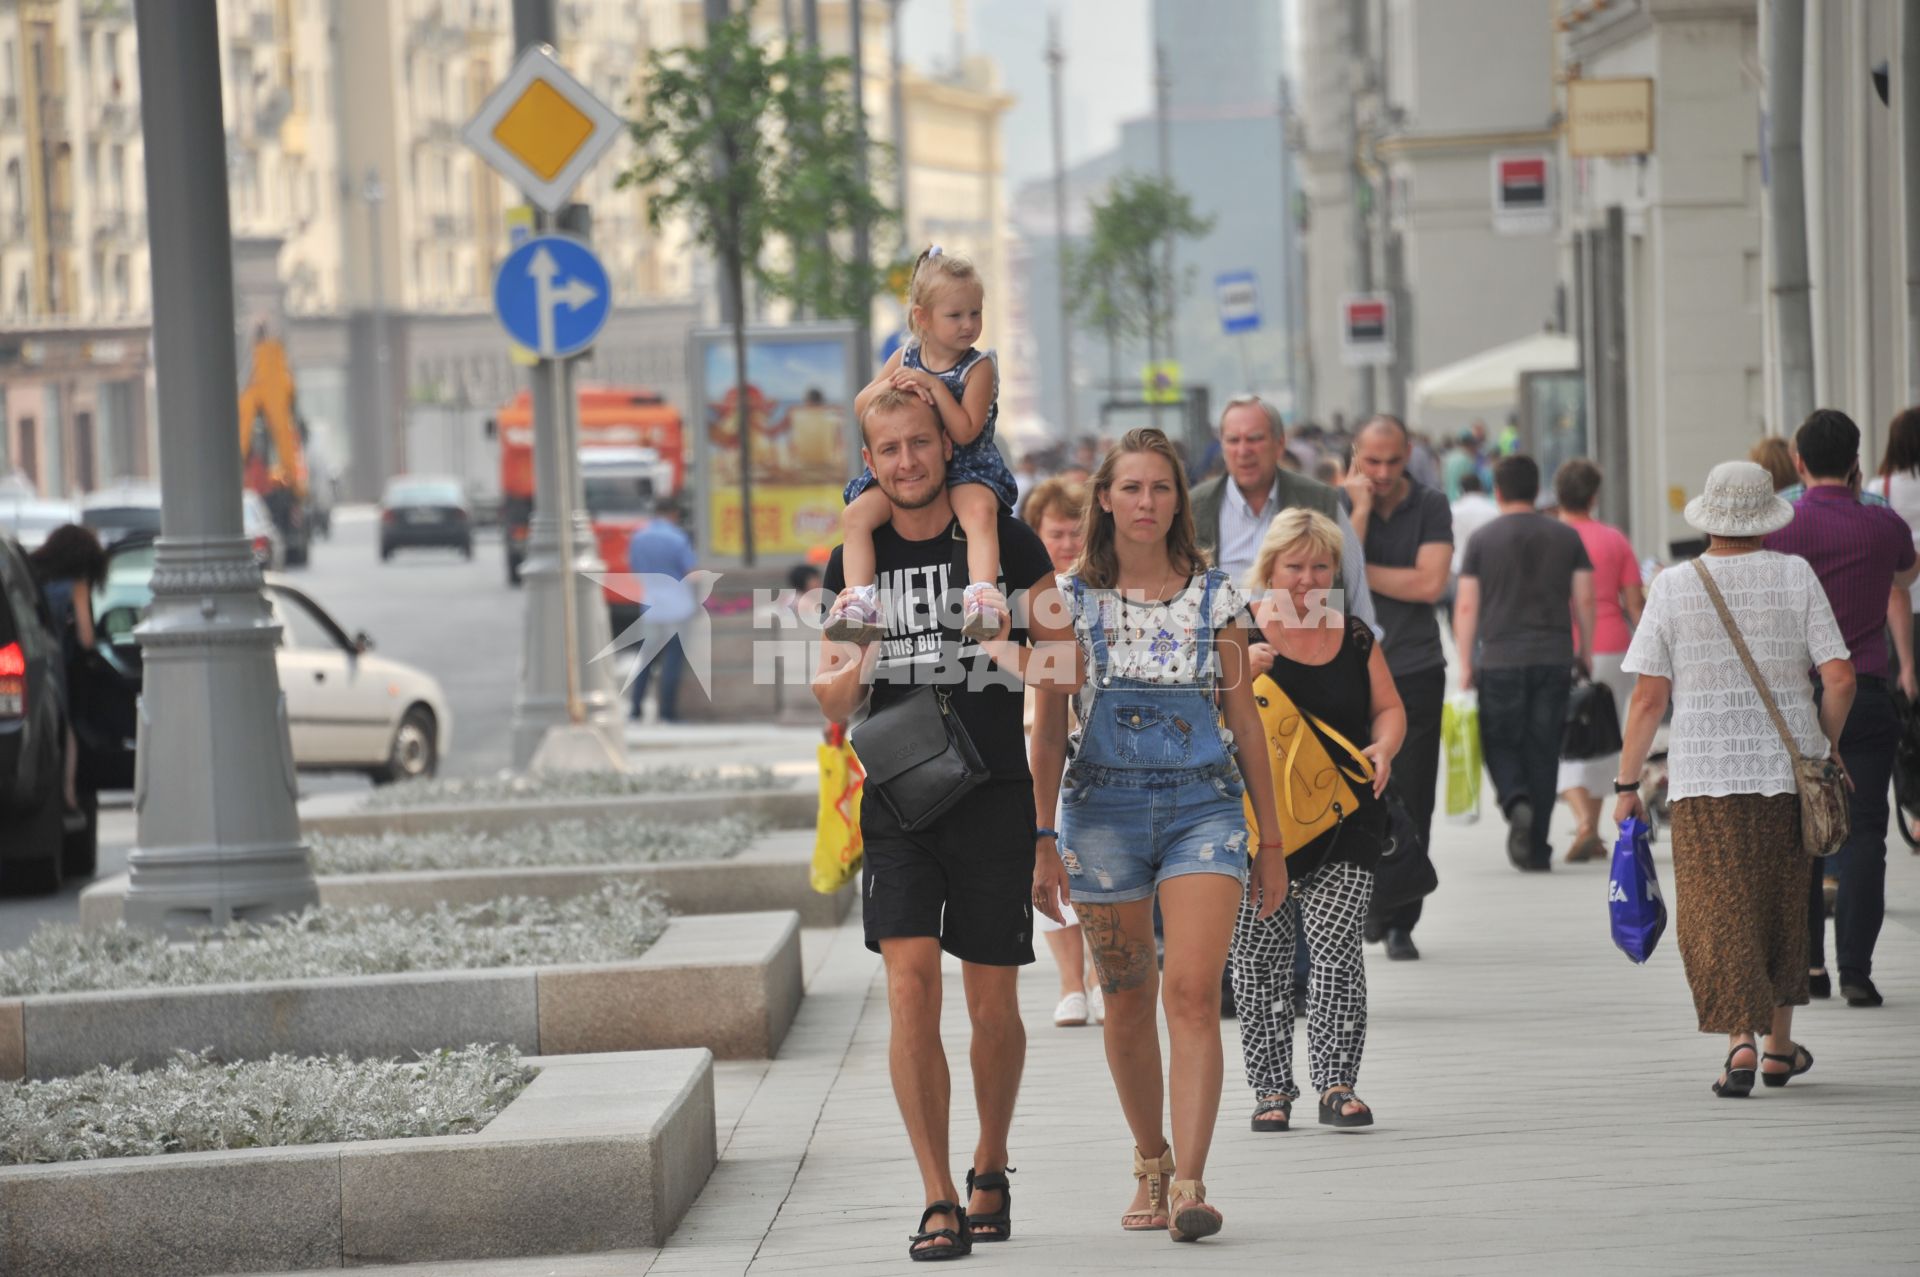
<point>976,462</point>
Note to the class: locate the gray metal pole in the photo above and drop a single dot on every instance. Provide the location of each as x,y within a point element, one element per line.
<point>897,107</point>
<point>1287,234</point>
<point>1056,61</point>
<point>1784,24</point>
<point>218,834</point>
<point>862,233</point>
<point>1162,90</point>
<point>1359,232</point>
<point>565,626</point>
<point>1908,80</point>
<point>374,193</point>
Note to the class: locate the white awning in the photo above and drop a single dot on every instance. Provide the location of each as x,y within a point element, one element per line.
<point>1491,379</point>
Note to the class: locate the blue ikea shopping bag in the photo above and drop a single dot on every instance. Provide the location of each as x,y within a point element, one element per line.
<point>1634,904</point>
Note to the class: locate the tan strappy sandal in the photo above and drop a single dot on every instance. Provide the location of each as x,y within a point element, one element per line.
<point>1153,1171</point>
<point>1196,1219</point>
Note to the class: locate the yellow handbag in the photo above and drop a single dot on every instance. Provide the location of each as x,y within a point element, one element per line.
<point>1314,790</point>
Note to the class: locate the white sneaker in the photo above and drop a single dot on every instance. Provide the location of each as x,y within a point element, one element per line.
<point>1096,1004</point>
<point>1072,1011</point>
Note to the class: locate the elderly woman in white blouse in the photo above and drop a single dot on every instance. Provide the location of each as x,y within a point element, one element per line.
<point>1739,869</point>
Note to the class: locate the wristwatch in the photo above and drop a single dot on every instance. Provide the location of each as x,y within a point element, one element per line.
<point>1044,832</point>
<point>1626,787</point>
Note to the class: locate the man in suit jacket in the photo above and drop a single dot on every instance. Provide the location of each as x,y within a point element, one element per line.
<point>1231,512</point>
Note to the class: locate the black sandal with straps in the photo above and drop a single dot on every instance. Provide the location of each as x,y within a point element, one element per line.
<point>1333,1110</point>
<point>1738,1083</point>
<point>1000,1221</point>
<point>1797,1063</point>
<point>922,1246</point>
<point>1281,1105</point>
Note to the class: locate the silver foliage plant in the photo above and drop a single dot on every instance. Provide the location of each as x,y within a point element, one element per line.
<point>198,1104</point>
<point>508,788</point>
<point>615,924</point>
<point>564,842</point>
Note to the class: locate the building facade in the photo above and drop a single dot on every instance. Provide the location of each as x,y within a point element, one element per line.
<point>1670,256</point>
<point>1404,106</point>
<point>384,229</point>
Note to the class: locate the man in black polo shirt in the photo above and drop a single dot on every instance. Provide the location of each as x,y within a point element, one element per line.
<point>1407,529</point>
<point>965,885</point>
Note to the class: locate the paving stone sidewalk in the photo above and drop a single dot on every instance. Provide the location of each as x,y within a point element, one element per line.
<point>1543,1106</point>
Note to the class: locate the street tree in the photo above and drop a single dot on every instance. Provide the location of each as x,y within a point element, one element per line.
<point>1123,281</point>
<point>757,148</point>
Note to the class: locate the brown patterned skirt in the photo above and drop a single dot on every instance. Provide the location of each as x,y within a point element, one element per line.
<point>1740,889</point>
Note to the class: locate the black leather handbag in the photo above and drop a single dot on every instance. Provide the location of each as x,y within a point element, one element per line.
<point>918,757</point>
<point>1592,728</point>
<point>1404,872</point>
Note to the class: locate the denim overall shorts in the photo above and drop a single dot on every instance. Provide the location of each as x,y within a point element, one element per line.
<point>1151,792</point>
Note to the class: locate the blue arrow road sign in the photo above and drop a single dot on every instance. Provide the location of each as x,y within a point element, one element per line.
<point>552,296</point>
<point>1239,299</point>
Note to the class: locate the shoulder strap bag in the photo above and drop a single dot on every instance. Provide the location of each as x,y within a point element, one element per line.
<point>917,754</point>
<point>1825,813</point>
<point>1317,788</point>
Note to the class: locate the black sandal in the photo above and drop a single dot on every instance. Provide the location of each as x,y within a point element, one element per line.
<point>1333,1110</point>
<point>1283,1106</point>
<point>1000,1220</point>
<point>1739,1082</point>
<point>1795,1069</point>
<point>960,1238</point>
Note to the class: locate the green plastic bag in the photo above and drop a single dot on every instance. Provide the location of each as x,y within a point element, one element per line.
<point>1460,739</point>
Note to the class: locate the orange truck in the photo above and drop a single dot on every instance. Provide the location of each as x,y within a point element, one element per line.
<point>632,453</point>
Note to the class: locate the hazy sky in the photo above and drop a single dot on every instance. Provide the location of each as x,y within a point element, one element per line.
<point>1108,76</point>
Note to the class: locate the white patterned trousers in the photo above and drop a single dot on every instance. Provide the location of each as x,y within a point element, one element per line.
<point>1333,905</point>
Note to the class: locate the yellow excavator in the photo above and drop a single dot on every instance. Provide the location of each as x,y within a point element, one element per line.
<point>272,453</point>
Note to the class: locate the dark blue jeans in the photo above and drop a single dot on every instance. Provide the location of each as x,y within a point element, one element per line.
<point>669,661</point>
<point>1522,714</point>
<point>1867,745</point>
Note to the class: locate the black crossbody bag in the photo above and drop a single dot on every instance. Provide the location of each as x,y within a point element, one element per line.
<point>916,751</point>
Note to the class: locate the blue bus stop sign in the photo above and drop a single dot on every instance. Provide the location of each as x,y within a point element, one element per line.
<point>552,296</point>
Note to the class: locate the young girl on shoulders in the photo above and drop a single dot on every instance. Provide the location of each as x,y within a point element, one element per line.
<point>940,364</point>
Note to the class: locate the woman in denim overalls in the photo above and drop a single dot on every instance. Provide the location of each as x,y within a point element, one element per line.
<point>1151,807</point>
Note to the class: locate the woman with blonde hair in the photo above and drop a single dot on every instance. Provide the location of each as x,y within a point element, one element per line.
<point>1334,673</point>
<point>1150,808</point>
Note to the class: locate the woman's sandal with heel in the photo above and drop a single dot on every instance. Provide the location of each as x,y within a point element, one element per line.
<point>1738,1083</point>
<point>924,1247</point>
<point>1195,1219</point>
<point>1153,1219</point>
<point>998,1225</point>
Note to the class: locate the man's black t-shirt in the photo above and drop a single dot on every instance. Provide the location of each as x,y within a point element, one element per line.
<point>920,588</point>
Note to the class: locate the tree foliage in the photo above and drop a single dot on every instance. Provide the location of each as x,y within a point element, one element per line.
<point>757,147</point>
<point>1120,279</point>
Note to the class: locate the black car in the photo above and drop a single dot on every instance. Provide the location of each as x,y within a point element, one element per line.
<point>41,842</point>
<point>419,510</point>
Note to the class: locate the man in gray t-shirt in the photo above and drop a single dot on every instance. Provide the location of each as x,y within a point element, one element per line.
<point>1526,596</point>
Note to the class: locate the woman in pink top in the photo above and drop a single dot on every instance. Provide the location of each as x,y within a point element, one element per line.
<point>1617,599</point>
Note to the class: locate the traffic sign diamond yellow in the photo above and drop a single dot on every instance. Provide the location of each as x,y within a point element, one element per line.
<point>543,130</point>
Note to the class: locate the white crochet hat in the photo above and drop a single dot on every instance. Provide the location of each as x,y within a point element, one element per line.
<point>1738,502</point>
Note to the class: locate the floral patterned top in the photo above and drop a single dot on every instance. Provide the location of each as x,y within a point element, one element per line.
<point>1152,642</point>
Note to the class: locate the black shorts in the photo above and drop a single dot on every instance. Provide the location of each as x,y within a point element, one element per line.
<point>967,881</point>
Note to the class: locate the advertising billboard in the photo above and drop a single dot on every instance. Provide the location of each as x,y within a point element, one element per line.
<point>801,437</point>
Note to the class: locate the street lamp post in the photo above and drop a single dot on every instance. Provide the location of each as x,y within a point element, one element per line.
<point>218,834</point>
<point>374,193</point>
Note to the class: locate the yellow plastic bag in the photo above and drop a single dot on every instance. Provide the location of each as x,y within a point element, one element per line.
<point>1460,739</point>
<point>836,838</point>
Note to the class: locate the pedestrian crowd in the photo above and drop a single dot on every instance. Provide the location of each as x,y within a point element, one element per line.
<point>1186,721</point>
